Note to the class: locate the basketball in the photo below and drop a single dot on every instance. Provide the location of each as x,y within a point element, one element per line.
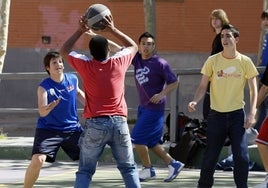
<point>95,14</point>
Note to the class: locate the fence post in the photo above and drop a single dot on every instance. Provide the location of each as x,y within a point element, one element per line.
<point>174,107</point>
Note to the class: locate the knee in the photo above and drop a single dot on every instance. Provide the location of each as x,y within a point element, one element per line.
<point>38,160</point>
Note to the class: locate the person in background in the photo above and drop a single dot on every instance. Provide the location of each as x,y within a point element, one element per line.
<point>154,80</point>
<point>217,19</point>
<point>263,107</point>
<point>262,139</point>
<point>58,123</point>
<point>227,73</point>
<point>105,110</point>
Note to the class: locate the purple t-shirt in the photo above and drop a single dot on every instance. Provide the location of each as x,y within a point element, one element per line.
<point>151,75</point>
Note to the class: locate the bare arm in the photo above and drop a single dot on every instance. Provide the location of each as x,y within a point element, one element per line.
<point>157,97</point>
<point>68,45</point>
<point>81,96</point>
<point>250,119</point>
<point>43,107</point>
<point>200,92</point>
<point>126,40</point>
<point>262,95</point>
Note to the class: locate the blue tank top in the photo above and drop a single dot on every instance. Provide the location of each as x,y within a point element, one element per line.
<point>64,116</point>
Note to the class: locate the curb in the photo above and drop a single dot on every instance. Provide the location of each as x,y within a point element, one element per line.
<point>20,148</point>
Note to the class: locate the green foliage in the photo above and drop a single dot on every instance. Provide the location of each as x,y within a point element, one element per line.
<point>131,121</point>
<point>2,134</point>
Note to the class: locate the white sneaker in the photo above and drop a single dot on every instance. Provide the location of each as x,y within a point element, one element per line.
<point>147,174</point>
<point>263,184</point>
<point>174,169</point>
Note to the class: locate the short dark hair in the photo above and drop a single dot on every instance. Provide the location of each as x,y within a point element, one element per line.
<point>50,55</point>
<point>233,29</point>
<point>98,47</point>
<point>264,14</point>
<point>146,35</point>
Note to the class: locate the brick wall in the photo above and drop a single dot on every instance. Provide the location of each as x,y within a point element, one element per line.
<point>182,26</point>
<point>183,38</point>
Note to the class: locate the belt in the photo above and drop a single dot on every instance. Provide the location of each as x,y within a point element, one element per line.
<point>102,116</point>
<point>107,116</point>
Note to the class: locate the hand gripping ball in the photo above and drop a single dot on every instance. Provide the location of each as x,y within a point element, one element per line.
<point>95,14</point>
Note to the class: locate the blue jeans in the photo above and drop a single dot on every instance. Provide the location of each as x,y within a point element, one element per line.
<point>221,126</point>
<point>111,130</point>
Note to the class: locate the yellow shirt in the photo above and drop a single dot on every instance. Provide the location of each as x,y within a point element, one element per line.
<point>227,80</point>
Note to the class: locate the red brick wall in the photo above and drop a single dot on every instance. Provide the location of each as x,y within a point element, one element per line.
<point>181,26</point>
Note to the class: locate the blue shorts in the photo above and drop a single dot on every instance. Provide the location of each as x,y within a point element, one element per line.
<point>48,142</point>
<point>148,129</point>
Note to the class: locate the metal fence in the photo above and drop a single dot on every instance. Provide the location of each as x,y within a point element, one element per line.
<point>174,96</point>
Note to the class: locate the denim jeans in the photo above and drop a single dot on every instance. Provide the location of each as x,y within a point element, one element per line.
<point>221,126</point>
<point>111,130</point>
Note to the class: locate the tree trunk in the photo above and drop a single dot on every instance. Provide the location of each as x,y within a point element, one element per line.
<point>149,12</point>
<point>4,21</point>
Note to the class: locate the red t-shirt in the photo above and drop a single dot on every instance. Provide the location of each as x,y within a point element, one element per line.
<point>103,82</point>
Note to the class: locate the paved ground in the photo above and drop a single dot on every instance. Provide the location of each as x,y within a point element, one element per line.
<point>15,152</point>
<point>62,174</point>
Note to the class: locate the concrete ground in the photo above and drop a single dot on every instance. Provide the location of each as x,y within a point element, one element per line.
<point>15,154</point>
<point>62,174</point>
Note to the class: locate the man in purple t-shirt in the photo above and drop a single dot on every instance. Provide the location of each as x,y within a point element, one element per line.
<point>154,80</point>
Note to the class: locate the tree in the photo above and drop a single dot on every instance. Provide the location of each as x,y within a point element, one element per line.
<point>149,12</point>
<point>4,21</point>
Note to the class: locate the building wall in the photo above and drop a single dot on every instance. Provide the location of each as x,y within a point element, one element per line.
<point>182,25</point>
<point>183,38</point>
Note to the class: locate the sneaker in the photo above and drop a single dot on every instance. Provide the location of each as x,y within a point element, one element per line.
<point>174,169</point>
<point>263,184</point>
<point>147,174</point>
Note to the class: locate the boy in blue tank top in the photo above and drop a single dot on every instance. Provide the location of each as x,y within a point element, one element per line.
<point>58,123</point>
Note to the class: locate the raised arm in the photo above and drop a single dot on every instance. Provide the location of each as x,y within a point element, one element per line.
<point>122,37</point>
<point>68,45</point>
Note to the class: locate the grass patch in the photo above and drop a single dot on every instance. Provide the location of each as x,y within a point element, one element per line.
<point>131,121</point>
<point>2,134</point>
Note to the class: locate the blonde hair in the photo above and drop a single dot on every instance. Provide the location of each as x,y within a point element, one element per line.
<point>219,14</point>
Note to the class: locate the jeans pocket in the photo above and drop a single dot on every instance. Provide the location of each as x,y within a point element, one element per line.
<point>124,137</point>
<point>94,137</point>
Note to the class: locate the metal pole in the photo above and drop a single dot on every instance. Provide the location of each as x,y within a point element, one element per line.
<point>174,108</point>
